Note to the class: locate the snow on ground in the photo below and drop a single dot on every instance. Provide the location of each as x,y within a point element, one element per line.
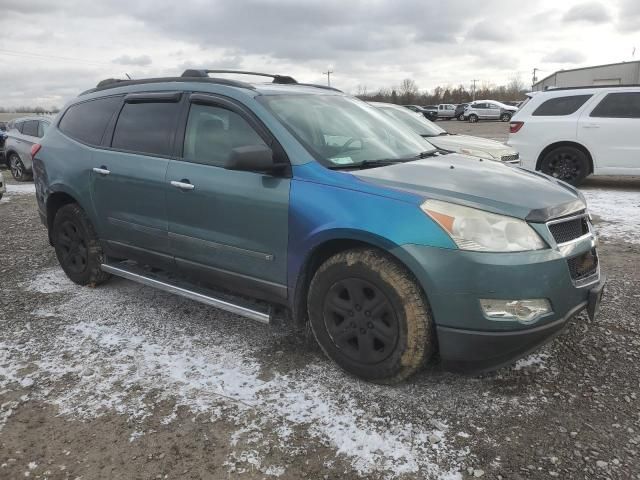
<point>21,189</point>
<point>120,346</point>
<point>617,211</point>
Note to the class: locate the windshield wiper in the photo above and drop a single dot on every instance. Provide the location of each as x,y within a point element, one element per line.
<point>372,163</point>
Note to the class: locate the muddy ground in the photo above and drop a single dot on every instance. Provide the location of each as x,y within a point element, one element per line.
<point>123,381</point>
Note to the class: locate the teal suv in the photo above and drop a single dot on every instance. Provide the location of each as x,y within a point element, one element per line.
<point>284,197</point>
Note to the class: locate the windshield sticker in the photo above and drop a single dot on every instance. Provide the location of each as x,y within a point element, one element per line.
<point>342,160</point>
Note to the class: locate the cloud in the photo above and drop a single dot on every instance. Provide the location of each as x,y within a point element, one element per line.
<point>488,30</point>
<point>140,61</point>
<point>565,55</point>
<point>592,12</point>
<point>629,15</point>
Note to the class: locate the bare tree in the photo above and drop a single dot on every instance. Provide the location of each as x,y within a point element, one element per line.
<point>408,91</point>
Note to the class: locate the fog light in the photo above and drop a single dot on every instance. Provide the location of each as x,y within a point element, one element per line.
<point>523,311</point>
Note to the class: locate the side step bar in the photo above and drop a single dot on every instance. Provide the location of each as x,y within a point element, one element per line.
<point>136,274</point>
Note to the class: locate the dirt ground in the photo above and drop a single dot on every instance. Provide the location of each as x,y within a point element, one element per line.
<point>124,381</point>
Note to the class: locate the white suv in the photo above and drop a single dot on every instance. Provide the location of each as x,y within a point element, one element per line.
<point>570,133</point>
<point>488,110</point>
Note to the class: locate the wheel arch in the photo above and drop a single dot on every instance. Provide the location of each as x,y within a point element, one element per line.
<point>55,201</point>
<point>323,250</point>
<point>565,143</point>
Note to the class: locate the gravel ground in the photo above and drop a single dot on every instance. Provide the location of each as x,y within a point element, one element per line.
<point>124,381</point>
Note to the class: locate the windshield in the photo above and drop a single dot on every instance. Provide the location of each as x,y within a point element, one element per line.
<point>342,131</point>
<point>414,121</point>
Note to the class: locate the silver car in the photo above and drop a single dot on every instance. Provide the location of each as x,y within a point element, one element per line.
<point>489,110</point>
<point>22,133</point>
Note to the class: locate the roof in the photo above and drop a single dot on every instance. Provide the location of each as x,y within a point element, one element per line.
<point>585,68</point>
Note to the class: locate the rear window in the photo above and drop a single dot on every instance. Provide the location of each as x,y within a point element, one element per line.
<point>559,106</point>
<point>146,127</point>
<point>30,128</point>
<point>619,105</point>
<point>87,121</point>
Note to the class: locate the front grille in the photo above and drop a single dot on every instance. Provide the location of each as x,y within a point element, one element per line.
<point>583,266</point>
<point>510,158</point>
<point>570,230</point>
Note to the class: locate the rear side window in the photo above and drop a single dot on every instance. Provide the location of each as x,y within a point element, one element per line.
<point>619,105</point>
<point>87,121</point>
<point>42,128</point>
<point>146,127</point>
<point>30,128</point>
<point>212,132</point>
<point>559,106</point>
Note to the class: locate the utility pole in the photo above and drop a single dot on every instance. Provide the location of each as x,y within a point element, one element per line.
<point>534,79</point>
<point>328,74</point>
<point>473,98</point>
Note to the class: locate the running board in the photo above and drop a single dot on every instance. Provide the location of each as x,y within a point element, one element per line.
<point>133,272</point>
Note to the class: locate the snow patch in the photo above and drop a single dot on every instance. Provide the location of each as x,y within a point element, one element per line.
<point>21,189</point>
<point>618,213</point>
<point>534,360</point>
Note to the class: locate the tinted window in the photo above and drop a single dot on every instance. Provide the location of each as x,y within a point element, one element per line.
<point>30,128</point>
<point>18,126</point>
<point>42,128</point>
<point>87,121</point>
<point>560,106</point>
<point>619,105</point>
<point>146,127</point>
<point>212,133</point>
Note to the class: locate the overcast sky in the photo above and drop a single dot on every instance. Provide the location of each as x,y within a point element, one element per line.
<point>52,49</point>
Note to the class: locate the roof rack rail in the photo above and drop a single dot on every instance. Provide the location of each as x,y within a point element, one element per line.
<point>116,82</point>
<point>283,79</point>
<point>551,88</point>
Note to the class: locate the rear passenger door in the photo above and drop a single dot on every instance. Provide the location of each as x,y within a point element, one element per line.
<point>27,139</point>
<point>128,177</point>
<point>610,130</point>
<point>227,227</point>
<point>492,111</point>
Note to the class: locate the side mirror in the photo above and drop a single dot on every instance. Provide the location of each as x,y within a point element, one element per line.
<point>253,158</point>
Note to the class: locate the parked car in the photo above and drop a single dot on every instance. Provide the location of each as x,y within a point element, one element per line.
<point>571,133</point>
<point>459,111</point>
<point>430,112</point>
<point>3,186</point>
<point>466,144</point>
<point>488,110</point>
<point>22,134</point>
<point>318,203</point>
<point>3,138</point>
<point>446,111</point>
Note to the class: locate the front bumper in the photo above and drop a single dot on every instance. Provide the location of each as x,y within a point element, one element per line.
<point>455,281</point>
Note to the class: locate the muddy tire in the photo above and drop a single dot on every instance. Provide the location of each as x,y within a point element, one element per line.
<point>369,316</point>
<point>77,246</point>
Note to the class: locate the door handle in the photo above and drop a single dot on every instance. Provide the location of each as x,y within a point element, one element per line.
<point>183,184</point>
<point>102,170</point>
<point>590,125</point>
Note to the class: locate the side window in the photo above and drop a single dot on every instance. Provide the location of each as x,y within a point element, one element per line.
<point>146,127</point>
<point>42,128</point>
<point>619,105</point>
<point>87,121</point>
<point>560,106</point>
<point>19,126</point>
<point>30,128</point>
<point>212,132</point>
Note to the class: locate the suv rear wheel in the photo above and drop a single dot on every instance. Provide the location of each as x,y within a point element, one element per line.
<point>473,118</point>
<point>505,117</point>
<point>18,171</point>
<point>569,164</point>
<point>461,117</point>
<point>77,246</point>
<point>370,317</point>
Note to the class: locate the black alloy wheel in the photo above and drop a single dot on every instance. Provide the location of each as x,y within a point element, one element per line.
<point>360,321</point>
<point>568,164</point>
<point>73,245</point>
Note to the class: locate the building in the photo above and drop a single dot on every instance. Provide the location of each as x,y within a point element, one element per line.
<point>625,73</point>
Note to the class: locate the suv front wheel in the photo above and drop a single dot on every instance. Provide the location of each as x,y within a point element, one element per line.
<point>505,117</point>
<point>473,118</point>
<point>77,246</point>
<point>370,317</point>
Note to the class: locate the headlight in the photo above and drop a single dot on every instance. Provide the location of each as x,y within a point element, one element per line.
<point>477,230</point>
<point>477,153</point>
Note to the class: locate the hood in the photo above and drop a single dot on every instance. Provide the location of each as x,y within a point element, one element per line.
<point>456,142</point>
<point>483,184</point>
